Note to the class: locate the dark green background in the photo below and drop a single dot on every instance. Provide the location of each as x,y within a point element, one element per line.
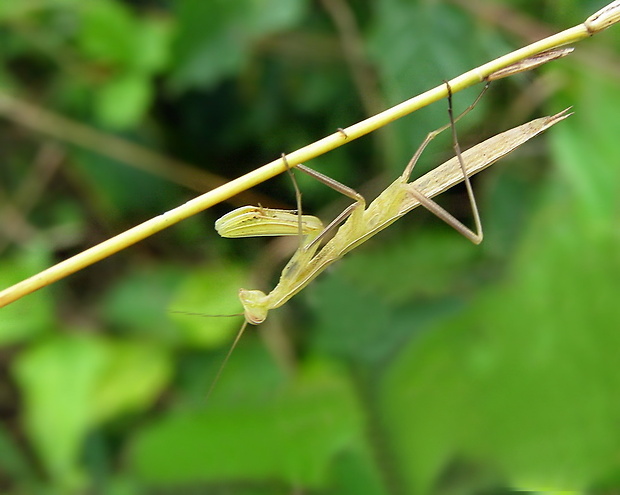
<point>419,364</point>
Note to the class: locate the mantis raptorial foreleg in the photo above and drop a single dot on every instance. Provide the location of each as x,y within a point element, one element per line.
<point>334,184</point>
<point>300,224</point>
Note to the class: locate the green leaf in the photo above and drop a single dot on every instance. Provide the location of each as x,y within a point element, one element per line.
<point>134,375</point>
<point>289,432</point>
<point>353,473</point>
<point>524,380</point>
<point>120,190</point>
<point>216,38</point>
<point>137,305</point>
<point>58,379</point>
<point>15,466</point>
<point>123,100</point>
<point>410,57</point>
<point>153,44</point>
<point>107,33</point>
<point>32,316</point>
<point>71,383</point>
<point>208,290</point>
<point>380,295</point>
<point>14,11</point>
<point>587,147</point>
<point>418,263</point>
<point>352,322</point>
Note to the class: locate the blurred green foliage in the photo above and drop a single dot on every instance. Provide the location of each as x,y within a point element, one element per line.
<point>419,364</point>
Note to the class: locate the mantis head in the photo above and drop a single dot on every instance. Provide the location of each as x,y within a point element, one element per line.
<point>255,305</point>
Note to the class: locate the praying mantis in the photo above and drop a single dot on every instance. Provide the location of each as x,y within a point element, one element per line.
<point>361,221</point>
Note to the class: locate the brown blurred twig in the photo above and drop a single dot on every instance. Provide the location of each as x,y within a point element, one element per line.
<point>52,124</point>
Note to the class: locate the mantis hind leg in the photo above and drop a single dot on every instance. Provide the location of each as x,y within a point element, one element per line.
<point>474,236</point>
<point>432,135</point>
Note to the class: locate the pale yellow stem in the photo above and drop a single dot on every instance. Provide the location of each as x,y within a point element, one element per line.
<point>602,19</point>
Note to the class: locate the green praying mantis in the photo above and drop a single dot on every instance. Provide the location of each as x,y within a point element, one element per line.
<point>363,222</point>
<point>360,221</point>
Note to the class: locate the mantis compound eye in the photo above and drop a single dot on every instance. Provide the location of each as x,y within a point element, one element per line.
<point>255,305</point>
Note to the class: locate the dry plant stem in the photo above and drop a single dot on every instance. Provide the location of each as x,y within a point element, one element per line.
<point>531,63</point>
<point>599,21</point>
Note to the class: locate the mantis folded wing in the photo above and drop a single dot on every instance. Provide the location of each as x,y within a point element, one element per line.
<point>480,156</point>
<point>256,221</point>
<point>396,200</point>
